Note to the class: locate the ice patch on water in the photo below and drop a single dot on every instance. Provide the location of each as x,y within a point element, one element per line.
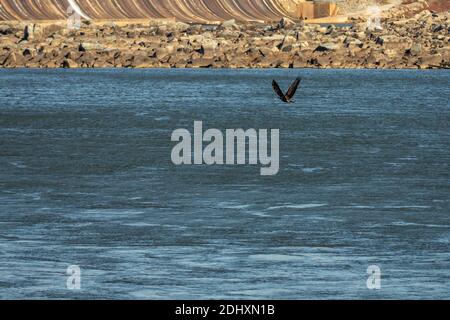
<point>386,207</point>
<point>306,169</point>
<point>258,214</point>
<point>276,257</point>
<point>407,207</point>
<point>149,294</point>
<point>165,118</point>
<point>238,207</point>
<point>361,207</point>
<point>298,206</point>
<point>112,211</point>
<point>142,224</point>
<point>232,205</point>
<point>394,164</point>
<point>105,214</point>
<point>312,170</point>
<point>33,195</point>
<point>18,164</point>
<point>406,224</point>
<point>260,292</point>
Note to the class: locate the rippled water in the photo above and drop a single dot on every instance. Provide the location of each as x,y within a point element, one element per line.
<point>86,179</point>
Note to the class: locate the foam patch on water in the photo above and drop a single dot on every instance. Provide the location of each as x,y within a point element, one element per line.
<point>232,205</point>
<point>142,224</point>
<point>18,164</point>
<point>261,292</point>
<point>386,207</point>
<point>407,224</point>
<point>276,257</point>
<point>361,207</point>
<point>408,159</point>
<point>298,206</point>
<point>407,207</point>
<point>34,195</point>
<point>258,214</point>
<point>141,114</point>
<point>238,207</point>
<point>312,170</point>
<point>165,118</point>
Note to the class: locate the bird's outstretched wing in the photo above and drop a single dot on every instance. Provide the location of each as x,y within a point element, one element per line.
<point>293,88</point>
<point>278,91</point>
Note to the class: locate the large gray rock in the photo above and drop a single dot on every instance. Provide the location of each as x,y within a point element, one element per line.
<point>330,29</point>
<point>438,28</point>
<point>386,39</point>
<point>32,31</point>
<point>230,24</point>
<point>182,27</point>
<point>415,50</point>
<point>69,63</point>
<point>328,46</point>
<point>202,63</point>
<point>88,46</point>
<point>353,42</point>
<point>5,29</point>
<point>286,23</point>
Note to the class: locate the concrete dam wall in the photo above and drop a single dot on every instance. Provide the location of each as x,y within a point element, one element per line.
<point>181,10</point>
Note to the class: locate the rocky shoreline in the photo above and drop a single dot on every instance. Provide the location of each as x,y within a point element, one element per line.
<point>420,41</point>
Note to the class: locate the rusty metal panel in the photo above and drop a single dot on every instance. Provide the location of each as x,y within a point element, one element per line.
<point>305,10</point>
<point>182,10</point>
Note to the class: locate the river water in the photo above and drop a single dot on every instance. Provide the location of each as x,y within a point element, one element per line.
<point>86,179</point>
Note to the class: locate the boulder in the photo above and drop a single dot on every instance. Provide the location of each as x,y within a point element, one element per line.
<point>429,62</point>
<point>353,42</point>
<point>88,46</point>
<point>54,29</point>
<point>5,30</point>
<point>141,61</point>
<point>393,42</point>
<point>201,63</point>
<point>32,31</point>
<point>286,23</point>
<point>328,46</point>
<point>3,58</point>
<point>210,44</point>
<point>230,24</point>
<point>287,48</point>
<point>182,27</point>
<point>438,28</point>
<point>330,29</point>
<point>10,60</point>
<point>86,60</point>
<point>69,63</point>
<point>28,52</point>
<point>415,50</point>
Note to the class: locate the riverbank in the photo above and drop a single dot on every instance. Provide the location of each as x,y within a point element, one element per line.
<point>419,41</point>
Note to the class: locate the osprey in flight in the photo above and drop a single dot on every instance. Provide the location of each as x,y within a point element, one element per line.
<point>289,94</point>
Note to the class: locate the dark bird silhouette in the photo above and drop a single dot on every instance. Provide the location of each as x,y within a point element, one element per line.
<point>289,94</point>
